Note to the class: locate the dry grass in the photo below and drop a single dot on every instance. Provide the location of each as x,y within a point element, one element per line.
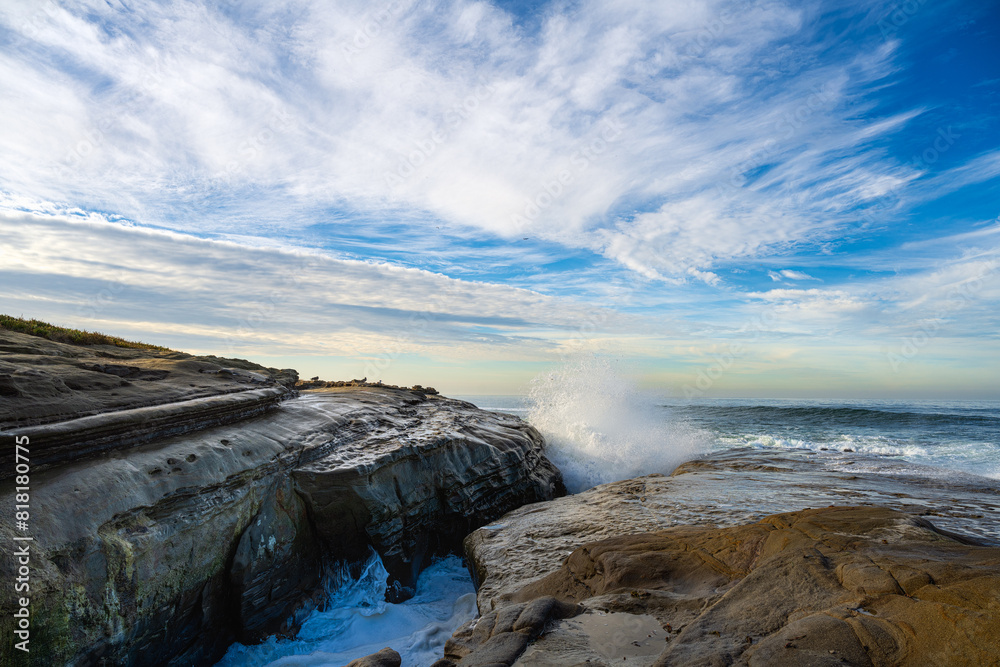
<point>70,336</point>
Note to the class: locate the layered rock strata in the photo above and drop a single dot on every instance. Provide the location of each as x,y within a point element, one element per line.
<point>168,551</point>
<point>43,381</point>
<point>73,402</point>
<point>62,442</point>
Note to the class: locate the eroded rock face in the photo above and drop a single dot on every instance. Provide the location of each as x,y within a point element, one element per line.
<point>726,490</point>
<point>413,500</point>
<point>42,381</point>
<point>73,402</point>
<point>276,566</point>
<point>854,585</point>
<point>167,552</point>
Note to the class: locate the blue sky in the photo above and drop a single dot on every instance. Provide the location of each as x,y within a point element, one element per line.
<point>728,198</point>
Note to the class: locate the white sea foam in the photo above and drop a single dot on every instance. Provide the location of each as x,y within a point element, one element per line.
<point>872,445</point>
<point>358,621</point>
<point>600,427</point>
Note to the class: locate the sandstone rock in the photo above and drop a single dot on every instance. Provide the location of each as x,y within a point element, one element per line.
<point>384,658</point>
<point>852,580</point>
<point>167,552</point>
<point>42,381</point>
<point>727,489</point>
<point>844,584</point>
<point>500,637</point>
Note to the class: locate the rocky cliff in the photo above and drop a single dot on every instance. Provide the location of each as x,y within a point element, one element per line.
<point>75,401</point>
<point>166,551</point>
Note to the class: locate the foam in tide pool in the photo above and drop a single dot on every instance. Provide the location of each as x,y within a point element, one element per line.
<point>600,427</point>
<point>358,621</point>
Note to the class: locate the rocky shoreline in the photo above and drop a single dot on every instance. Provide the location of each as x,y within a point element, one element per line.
<point>166,550</point>
<point>745,558</point>
<point>182,503</point>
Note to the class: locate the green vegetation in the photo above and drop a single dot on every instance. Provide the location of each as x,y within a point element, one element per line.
<point>70,336</point>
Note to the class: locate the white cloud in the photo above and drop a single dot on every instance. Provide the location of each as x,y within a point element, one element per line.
<point>91,273</point>
<point>796,275</point>
<point>686,134</point>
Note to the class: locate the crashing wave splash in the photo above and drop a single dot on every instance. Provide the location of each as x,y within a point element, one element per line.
<point>600,427</point>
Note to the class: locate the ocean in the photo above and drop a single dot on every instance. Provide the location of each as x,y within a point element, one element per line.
<point>936,436</point>
<point>604,431</point>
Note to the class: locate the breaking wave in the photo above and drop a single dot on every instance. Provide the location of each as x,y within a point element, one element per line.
<point>358,621</point>
<point>600,427</point>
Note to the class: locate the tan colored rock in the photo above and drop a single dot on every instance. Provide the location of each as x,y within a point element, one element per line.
<point>854,585</point>
<point>384,658</point>
<point>726,490</point>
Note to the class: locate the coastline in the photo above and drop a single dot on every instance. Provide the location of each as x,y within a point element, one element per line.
<point>228,526</point>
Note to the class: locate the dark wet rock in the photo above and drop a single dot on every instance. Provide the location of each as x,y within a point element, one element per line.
<point>167,552</point>
<point>276,568</point>
<point>447,472</point>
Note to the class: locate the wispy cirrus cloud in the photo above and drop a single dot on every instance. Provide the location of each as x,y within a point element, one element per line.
<point>684,163</point>
<point>736,129</point>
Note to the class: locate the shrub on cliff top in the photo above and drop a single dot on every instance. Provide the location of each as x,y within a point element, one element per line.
<point>70,336</point>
